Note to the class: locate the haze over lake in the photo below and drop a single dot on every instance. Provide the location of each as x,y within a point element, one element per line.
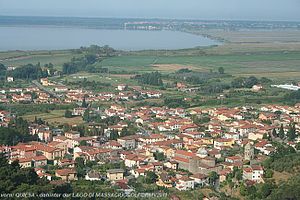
<point>51,38</point>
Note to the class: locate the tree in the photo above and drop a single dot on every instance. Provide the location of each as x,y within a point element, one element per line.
<point>221,70</point>
<point>237,82</point>
<point>298,146</point>
<point>243,190</point>
<point>84,103</point>
<point>10,136</point>
<point>159,156</point>
<point>151,177</point>
<point>213,176</point>
<point>153,78</point>
<point>68,114</point>
<point>274,133</point>
<point>114,135</point>
<point>80,165</point>
<point>266,136</point>
<point>269,173</point>
<point>239,175</point>
<point>249,82</point>
<point>86,115</point>
<point>83,143</point>
<point>16,179</point>
<point>291,134</point>
<point>281,133</point>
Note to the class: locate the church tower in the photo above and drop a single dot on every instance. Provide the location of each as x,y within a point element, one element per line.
<point>249,152</point>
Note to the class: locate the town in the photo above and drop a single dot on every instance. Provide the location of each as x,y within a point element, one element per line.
<point>179,148</point>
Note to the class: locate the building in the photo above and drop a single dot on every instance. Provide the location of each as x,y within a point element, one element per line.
<point>249,151</point>
<point>66,174</point>
<point>257,88</point>
<point>121,87</point>
<point>185,183</point>
<point>115,174</point>
<point>253,173</point>
<point>44,81</point>
<point>93,176</point>
<point>127,142</point>
<point>200,179</point>
<point>10,79</point>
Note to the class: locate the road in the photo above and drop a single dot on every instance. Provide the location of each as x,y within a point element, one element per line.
<point>41,87</point>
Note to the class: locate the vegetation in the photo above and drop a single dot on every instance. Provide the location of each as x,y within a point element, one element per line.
<point>29,72</point>
<point>153,78</point>
<point>9,136</point>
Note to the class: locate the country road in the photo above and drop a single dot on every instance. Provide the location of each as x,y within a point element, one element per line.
<point>41,87</point>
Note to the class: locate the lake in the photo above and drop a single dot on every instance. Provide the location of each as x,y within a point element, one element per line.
<point>56,38</point>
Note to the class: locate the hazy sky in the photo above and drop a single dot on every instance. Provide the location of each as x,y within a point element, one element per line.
<point>200,9</point>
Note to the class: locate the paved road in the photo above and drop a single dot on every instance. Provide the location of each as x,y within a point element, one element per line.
<point>41,87</point>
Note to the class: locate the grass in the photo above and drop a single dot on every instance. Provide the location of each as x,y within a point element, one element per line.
<point>58,58</point>
<point>55,117</point>
<point>278,64</point>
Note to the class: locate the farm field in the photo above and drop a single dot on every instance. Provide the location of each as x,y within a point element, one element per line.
<point>277,64</point>
<point>22,58</point>
<point>54,117</point>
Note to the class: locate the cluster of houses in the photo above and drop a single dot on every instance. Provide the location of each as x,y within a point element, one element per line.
<point>190,148</point>
<point>67,95</point>
<point>26,95</point>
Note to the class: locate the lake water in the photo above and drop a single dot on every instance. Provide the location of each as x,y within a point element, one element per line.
<point>50,38</point>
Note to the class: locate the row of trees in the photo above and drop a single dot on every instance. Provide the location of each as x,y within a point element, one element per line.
<point>153,78</point>
<point>291,134</point>
<point>79,64</point>
<point>29,72</point>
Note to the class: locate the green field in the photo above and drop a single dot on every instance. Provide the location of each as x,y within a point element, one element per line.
<point>55,117</point>
<point>58,58</point>
<point>273,65</point>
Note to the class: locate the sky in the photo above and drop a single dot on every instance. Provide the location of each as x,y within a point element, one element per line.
<point>282,10</point>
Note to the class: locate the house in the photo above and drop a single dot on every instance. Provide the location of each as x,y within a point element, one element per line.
<point>185,183</point>
<point>171,165</point>
<point>24,162</point>
<point>257,88</point>
<point>121,87</point>
<point>256,135</point>
<point>180,85</point>
<point>194,134</point>
<point>127,142</point>
<point>61,89</point>
<point>134,160</point>
<point>44,81</point>
<point>72,134</point>
<point>200,179</point>
<point>39,161</point>
<point>59,145</point>
<point>66,174</point>
<point>164,180</point>
<point>115,174</point>
<point>93,176</point>
<point>253,173</point>
<point>219,143</point>
<point>10,79</point>
<point>223,174</point>
<point>23,151</point>
<point>50,153</point>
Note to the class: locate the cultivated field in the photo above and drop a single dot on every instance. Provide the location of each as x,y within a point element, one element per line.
<point>55,117</point>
